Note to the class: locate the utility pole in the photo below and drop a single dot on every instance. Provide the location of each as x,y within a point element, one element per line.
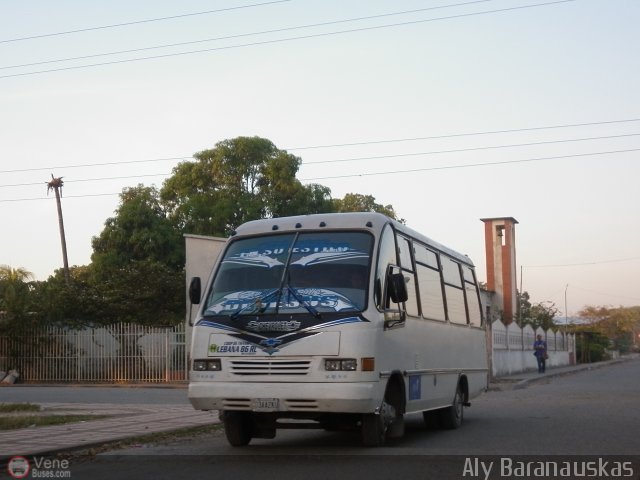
<point>56,185</point>
<point>566,314</point>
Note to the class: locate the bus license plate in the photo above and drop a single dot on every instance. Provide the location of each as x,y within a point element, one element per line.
<point>265,404</point>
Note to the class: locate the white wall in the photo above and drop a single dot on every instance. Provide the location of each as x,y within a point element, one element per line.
<point>507,362</point>
<point>512,348</point>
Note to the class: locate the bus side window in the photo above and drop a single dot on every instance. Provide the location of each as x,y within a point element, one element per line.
<point>429,283</point>
<point>472,296</point>
<point>406,263</point>
<point>454,291</point>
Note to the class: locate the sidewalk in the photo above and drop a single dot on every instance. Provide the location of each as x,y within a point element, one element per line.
<point>132,420</point>
<point>523,379</point>
<point>126,421</point>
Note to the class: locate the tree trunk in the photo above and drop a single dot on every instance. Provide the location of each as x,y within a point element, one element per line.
<point>62,237</point>
<point>56,185</point>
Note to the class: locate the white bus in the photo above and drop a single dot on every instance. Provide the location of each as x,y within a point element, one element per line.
<point>336,321</point>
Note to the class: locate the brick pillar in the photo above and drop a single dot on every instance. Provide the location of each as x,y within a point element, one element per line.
<point>500,248</point>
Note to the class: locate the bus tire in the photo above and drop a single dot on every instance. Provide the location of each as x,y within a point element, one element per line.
<point>451,417</point>
<point>373,430</point>
<point>238,428</point>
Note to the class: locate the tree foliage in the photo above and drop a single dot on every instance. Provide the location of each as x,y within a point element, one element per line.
<point>15,288</point>
<point>144,292</point>
<point>591,346</point>
<point>356,202</point>
<point>542,314</point>
<point>140,230</point>
<point>75,303</point>
<point>617,324</point>
<point>538,315</point>
<point>241,179</point>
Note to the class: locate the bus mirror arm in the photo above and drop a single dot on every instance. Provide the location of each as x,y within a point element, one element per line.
<point>393,319</point>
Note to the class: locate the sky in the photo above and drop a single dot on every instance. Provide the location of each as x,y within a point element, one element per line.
<point>448,111</point>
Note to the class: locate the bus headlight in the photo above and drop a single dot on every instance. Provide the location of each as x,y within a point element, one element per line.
<point>333,365</point>
<point>207,365</point>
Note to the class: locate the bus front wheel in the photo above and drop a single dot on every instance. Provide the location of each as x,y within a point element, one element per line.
<point>238,428</point>
<point>373,430</point>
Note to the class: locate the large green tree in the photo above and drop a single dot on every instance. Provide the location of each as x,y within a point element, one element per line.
<point>241,179</point>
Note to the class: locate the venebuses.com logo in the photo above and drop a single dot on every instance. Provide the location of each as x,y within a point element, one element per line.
<point>38,467</point>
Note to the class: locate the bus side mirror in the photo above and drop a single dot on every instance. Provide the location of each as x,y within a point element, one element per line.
<point>397,288</point>
<point>195,290</point>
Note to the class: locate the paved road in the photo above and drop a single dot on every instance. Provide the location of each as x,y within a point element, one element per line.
<point>86,394</point>
<point>587,413</point>
<point>594,412</point>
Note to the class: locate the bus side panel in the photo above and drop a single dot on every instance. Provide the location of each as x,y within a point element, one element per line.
<point>434,355</point>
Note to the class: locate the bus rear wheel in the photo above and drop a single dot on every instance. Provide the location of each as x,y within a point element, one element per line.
<point>452,416</point>
<point>238,428</point>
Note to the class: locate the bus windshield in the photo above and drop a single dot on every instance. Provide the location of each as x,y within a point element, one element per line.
<point>315,272</point>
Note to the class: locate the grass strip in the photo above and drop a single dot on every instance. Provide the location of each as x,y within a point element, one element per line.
<point>26,421</point>
<point>157,438</point>
<point>19,407</point>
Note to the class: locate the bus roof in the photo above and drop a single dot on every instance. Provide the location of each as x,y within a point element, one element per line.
<point>371,221</point>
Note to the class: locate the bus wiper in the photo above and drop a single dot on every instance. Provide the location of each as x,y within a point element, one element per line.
<point>302,302</point>
<point>257,304</point>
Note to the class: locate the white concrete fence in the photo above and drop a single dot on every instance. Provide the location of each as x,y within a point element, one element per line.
<point>135,353</point>
<point>512,348</point>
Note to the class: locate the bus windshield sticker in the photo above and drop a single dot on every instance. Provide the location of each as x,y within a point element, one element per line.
<point>266,301</point>
<point>325,257</point>
<point>306,272</point>
<point>253,260</point>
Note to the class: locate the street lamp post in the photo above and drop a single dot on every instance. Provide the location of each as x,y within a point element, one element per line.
<point>566,315</point>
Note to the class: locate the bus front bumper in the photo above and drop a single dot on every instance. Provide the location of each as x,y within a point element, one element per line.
<point>362,397</point>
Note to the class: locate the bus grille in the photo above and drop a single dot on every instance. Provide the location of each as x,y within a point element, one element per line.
<point>270,367</point>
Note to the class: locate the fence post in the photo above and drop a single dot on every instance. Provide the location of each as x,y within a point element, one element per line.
<point>77,345</point>
<point>167,360</point>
